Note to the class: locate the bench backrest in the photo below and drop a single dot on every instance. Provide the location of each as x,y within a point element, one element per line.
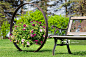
<point>70,24</point>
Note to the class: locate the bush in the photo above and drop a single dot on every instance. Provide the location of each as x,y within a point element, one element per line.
<point>29,29</point>
<point>28,34</point>
<point>58,21</point>
<point>26,18</point>
<point>5,28</point>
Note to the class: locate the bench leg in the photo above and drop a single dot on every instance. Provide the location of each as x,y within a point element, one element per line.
<point>68,48</point>
<point>55,43</point>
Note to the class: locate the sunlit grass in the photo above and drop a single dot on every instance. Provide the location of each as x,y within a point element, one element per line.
<point>7,49</point>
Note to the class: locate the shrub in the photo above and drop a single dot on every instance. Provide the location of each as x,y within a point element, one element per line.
<point>29,29</point>
<point>27,35</point>
<point>26,18</point>
<point>58,21</point>
<point>5,28</point>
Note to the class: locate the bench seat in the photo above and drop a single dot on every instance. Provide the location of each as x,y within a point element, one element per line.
<point>69,37</point>
<point>74,35</point>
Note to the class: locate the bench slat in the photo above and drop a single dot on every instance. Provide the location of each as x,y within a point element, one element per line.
<point>78,18</point>
<point>76,33</point>
<point>68,37</point>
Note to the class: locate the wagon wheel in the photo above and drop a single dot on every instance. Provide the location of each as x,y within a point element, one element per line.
<point>46,28</point>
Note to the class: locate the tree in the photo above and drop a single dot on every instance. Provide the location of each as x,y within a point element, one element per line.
<point>4,24</point>
<point>78,7</point>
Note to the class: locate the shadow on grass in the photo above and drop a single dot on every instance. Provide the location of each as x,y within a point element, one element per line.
<point>75,53</point>
<point>80,53</point>
<point>61,53</point>
<point>34,50</point>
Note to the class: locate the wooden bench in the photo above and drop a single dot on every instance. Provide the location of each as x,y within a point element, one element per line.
<point>69,34</point>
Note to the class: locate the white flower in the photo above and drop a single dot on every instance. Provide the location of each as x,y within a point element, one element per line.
<point>44,30</point>
<point>22,40</point>
<point>40,30</point>
<point>28,43</point>
<point>43,35</point>
<point>41,26</point>
<point>12,36</point>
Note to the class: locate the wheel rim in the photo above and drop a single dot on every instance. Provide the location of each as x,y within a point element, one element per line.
<point>46,33</point>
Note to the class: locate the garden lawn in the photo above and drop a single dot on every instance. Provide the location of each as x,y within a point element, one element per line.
<point>7,49</point>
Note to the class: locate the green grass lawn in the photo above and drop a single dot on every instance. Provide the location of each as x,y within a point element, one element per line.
<point>7,49</point>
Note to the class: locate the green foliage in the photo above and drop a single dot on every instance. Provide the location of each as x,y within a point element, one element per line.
<point>1,14</point>
<point>24,33</point>
<point>4,6</point>
<point>66,4</point>
<point>5,28</point>
<point>77,8</point>
<point>37,16</point>
<point>57,21</point>
<point>7,49</point>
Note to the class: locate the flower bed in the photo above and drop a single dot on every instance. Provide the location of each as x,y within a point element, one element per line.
<point>28,34</point>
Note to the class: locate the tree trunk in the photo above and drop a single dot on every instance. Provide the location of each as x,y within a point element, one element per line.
<point>21,2</point>
<point>66,8</point>
<point>44,5</point>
